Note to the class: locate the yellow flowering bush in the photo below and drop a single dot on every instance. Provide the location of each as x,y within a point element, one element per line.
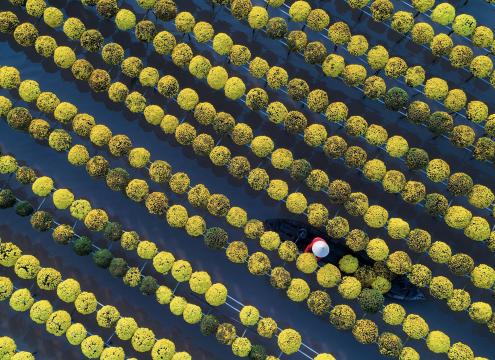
<point>289,341</point>
<point>307,263</point>
<point>298,290</point>
<point>216,294</point>
<point>249,315</point>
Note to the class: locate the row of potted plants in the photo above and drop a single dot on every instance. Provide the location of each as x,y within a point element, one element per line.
<point>357,45</point>
<point>442,13</point>
<point>156,203</point>
<point>406,235</point>
<point>296,290</point>
<point>444,259</point>
<point>59,322</point>
<point>397,99</point>
<point>404,23</point>
<point>163,263</point>
<point>257,266</point>
<point>356,126</point>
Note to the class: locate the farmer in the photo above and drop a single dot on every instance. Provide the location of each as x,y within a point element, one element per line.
<point>319,247</point>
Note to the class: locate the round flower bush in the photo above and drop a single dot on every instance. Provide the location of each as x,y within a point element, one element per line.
<point>143,340</point>
<point>443,14</point>
<point>306,263</point>
<point>483,276</point>
<point>96,220</point>
<point>415,326</point>
<point>319,302</point>
<point>370,300</point>
<point>438,342</point>
<point>328,276</point>
<point>440,122</point>
<point>125,20</point>
<point>237,252</point>
<point>350,287</point>
<point>394,314</point>
<point>376,216</point>
<point>298,290</point>
<point>42,186</point>
<point>459,301</point>
<point>289,341</point>
<point>399,262</point>
<point>460,351</point>
<point>226,333</point>
<point>203,31</point>
<point>288,251</point>
<point>76,333</point>
<point>480,196</point>
<point>456,100</point>
<point>365,331</point>
<point>267,327</point>
<point>258,263</point>
<point>480,312</point>
<point>348,264</point>
<point>249,315</point>
<point>296,203</point>
<point>458,217</point>
<point>440,252</point>
<point>241,346</point>
<point>389,344</point>
<point>397,146</point>
<point>192,314</point>
<point>342,317</point>
<point>209,325</point>
<point>478,229</point>
<point>216,294</point>
<point>258,67</point>
<point>441,287</point>
<point>26,266</point>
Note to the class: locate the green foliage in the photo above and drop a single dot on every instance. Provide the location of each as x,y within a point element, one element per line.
<point>396,98</point>
<point>464,24</point>
<point>234,88</point>
<point>289,341</point>
<point>145,30</point>
<point>222,43</point>
<point>441,45</point>
<point>438,342</point>
<point>370,300</point>
<point>382,10</point>
<point>402,22</point>
<point>8,21</point>
<point>415,326</point>
<point>422,33</point>
<point>25,34</point>
<point>365,331</point>
<point>342,317</point>
<point>276,28</point>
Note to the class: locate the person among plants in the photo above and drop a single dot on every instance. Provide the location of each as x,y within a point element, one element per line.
<point>318,247</point>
